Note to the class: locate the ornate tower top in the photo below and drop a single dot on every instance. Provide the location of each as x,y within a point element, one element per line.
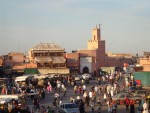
<point>96,33</point>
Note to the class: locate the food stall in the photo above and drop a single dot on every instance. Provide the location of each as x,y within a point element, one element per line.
<point>8,102</point>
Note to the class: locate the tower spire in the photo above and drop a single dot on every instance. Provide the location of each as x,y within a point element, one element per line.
<point>99,26</point>
<point>96,33</point>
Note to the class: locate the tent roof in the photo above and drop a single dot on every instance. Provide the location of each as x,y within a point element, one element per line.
<point>47,46</point>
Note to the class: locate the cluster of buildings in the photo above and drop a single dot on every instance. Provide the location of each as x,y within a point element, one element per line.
<point>47,58</point>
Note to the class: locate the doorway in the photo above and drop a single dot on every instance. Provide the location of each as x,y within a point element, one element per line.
<point>85,70</point>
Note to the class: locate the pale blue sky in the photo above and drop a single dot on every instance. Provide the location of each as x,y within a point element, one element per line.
<point>26,23</point>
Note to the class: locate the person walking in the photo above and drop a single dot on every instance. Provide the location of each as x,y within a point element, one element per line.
<point>114,107</point>
<point>48,88</point>
<point>105,96</point>
<point>87,100</point>
<point>84,88</point>
<point>43,109</point>
<point>43,94</point>
<point>81,106</point>
<point>109,106</point>
<point>139,109</point>
<point>75,89</point>
<point>145,107</point>
<point>99,105</point>
<point>64,91</point>
<point>127,102</point>
<point>123,85</point>
<point>36,103</point>
<point>132,109</point>
<point>80,90</point>
<point>90,95</point>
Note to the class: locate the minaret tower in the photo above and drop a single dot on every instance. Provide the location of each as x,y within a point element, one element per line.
<point>96,43</point>
<point>96,38</point>
<point>96,33</point>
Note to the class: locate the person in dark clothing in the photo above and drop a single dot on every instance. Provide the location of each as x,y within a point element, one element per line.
<point>28,90</point>
<point>127,102</point>
<point>43,94</point>
<point>132,109</point>
<point>81,106</point>
<point>99,105</point>
<point>87,100</point>
<point>36,103</point>
<point>14,110</point>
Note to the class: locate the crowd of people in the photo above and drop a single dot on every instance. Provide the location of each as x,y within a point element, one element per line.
<point>99,94</point>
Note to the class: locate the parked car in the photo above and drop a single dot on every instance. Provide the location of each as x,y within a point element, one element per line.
<point>120,98</point>
<point>68,108</point>
<point>77,77</point>
<point>86,76</point>
<point>141,92</point>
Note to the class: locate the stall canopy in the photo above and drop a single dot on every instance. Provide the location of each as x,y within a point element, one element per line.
<point>4,68</point>
<point>41,77</point>
<point>31,71</point>
<point>5,100</point>
<point>9,96</point>
<point>21,78</point>
<point>43,59</point>
<point>144,78</point>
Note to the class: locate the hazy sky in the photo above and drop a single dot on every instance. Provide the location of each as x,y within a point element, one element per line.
<point>25,23</point>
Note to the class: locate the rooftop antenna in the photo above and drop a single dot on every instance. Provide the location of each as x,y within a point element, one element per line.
<point>25,49</point>
<point>110,44</point>
<point>19,46</point>
<point>130,50</point>
<point>99,26</point>
<point>99,31</point>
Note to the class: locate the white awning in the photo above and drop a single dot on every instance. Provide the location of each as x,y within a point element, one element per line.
<point>5,100</point>
<point>4,97</point>
<point>43,59</point>
<point>54,71</point>
<point>41,76</point>
<point>21,78</point>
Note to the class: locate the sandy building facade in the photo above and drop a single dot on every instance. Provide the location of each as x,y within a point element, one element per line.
<point>145,61</point>
<point>1,61</point>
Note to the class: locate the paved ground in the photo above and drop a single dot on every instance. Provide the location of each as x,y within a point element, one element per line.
<point>49,98</point>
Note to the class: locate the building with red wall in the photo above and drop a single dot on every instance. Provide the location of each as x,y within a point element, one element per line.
<point>118,59</point>
<point>73,61</point>
<point>91,60</point>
